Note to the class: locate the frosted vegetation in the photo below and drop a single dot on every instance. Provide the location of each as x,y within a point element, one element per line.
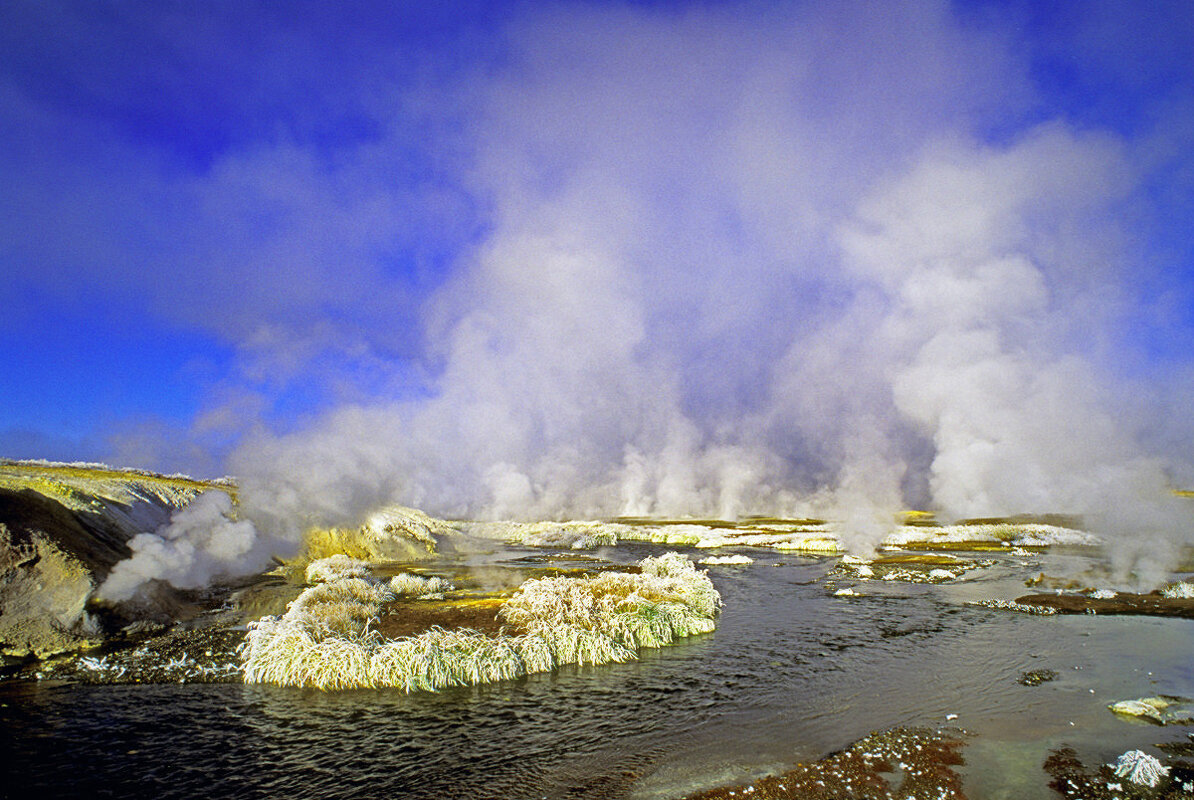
<point>1002,534</point>
<point>1012,605</point>
<point>395,533</point>
<point>326,637</point>
<point>1140,768</point>
<point>1179,591</point>
<point>803,536</point>
<point>335,567</point>
<point>923,567</point>
<point>408,584</point>
<point>718,560</point>
<point>132,500</point>
<point>571,535</point>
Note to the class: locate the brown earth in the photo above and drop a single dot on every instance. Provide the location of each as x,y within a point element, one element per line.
<point>912,763</point>
<point>1123,603</point>
<point>412,617</point>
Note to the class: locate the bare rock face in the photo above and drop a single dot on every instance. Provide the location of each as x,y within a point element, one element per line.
<point>48,566</point>
<point>62,529</point>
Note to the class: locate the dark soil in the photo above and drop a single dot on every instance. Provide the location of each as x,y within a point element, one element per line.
<point>180,655</point>
<point>1122,603</point>
<point>897,764</point>
<point>408,618</point>
<point>1185,748</point>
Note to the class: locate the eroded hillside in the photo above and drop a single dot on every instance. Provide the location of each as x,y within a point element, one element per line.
<point>62,528</point>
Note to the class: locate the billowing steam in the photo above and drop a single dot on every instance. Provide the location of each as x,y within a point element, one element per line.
<point>786,262</point>
<point>201,540</point>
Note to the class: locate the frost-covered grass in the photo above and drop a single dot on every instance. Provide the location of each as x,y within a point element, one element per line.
<point>791,535</point>
<point>1012,605</point>
<point>439,658</point>
<point>572,535</point>
<point>406,584</point>
<point>323,640</point>
<point>572,540</point>
<point>290,651</point>
<point>1140,768</point>
<point>803,537</point>
<point>338,607</point>
<point>395,533</point>
<point>98,470</point>
<point>1003,534</point>
<point>717,560</point>
<point>1178,591</point>
<point>332,568</point>
<point>343,590</point>
<point>92,487</point>
<point>326,640</point>
<point>814,536</point>
<point>670,599</point>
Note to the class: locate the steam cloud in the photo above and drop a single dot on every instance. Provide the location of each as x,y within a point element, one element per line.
<point>759,261</point>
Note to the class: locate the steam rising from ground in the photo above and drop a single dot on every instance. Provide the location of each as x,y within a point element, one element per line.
<point>774,261</point>
<point>201,540</point>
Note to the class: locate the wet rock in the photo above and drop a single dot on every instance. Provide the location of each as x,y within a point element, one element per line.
<point>180,655</point>
<point>1185,748</point>
<point>1163,710</point>
<point>1035,677</point>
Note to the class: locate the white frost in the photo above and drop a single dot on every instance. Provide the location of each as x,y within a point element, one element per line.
<point>1178,591</point>
<point>1141,768</point>
<point>727,560</point>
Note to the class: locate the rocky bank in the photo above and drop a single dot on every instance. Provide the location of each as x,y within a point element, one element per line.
<point>62,529</point>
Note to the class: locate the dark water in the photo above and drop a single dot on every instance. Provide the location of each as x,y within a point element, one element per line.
<point>792,673</point>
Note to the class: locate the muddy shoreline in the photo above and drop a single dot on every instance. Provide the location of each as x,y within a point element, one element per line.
<point>1152,604</point>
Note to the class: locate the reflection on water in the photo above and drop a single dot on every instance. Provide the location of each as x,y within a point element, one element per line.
<point>792,673</point>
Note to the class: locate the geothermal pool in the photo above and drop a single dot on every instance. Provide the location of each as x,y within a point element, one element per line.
<point>792,673</point>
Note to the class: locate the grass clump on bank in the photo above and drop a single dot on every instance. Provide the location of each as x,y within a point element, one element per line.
<point>325,570</point>
<point>326,639</point>
<point>407,584</point>
<point>669,600</point>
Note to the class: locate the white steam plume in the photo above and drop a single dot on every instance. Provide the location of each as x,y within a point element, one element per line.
<point>200,541</point>
<point>765,262</point>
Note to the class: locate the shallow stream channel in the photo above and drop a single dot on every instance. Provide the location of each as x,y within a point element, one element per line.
<point>793,673</point>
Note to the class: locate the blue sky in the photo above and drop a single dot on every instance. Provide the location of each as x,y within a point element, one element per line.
<point>118,120</point>
<point>237,222</point>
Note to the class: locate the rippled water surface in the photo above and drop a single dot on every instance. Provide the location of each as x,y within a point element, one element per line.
<point>791,673</point>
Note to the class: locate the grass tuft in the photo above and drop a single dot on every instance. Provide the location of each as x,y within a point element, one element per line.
<point>328,569</point>
<point>325,638</point>
<point>407,584</point>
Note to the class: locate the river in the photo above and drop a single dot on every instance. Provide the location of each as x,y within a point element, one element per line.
<point>792,672</point>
